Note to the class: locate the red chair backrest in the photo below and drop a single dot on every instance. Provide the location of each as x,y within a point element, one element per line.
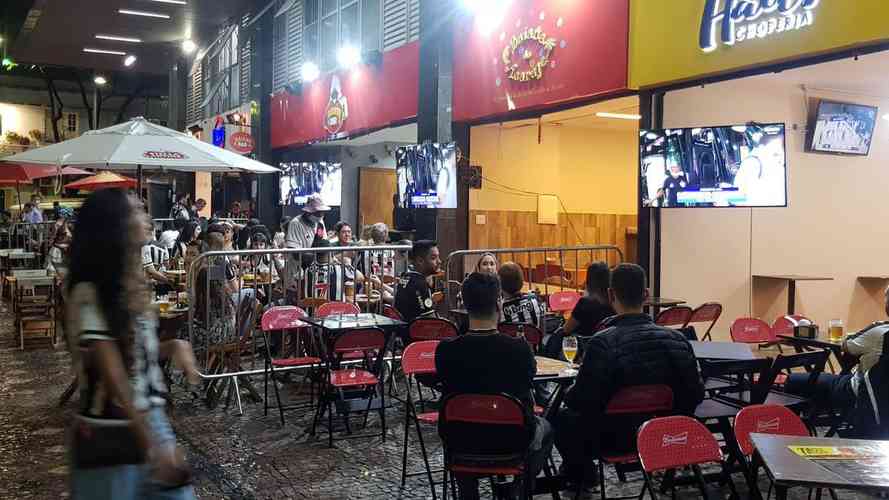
<point>360,340</point>
<point>709,312</point>
<point>419,357</point>
<point>784,324</point>
<point>529,332</point>
<point>766,419</point>
<point>641,399</point>
<point>674,442</point>
<point>563,301</point>
<point>674,316</point>
<point>392,313</point>
<point>431,329</point>
<point>282,318</point>
<point>505,423</point>
<point>330,308</point>
<point>751,331</point>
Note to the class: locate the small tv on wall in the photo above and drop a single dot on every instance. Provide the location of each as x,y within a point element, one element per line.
<point>427,175</point>
<point>301,180</point>
<point>726,166</point>
<point>843,128</point>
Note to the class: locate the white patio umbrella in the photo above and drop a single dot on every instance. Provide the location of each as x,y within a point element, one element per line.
<point>139,144</point>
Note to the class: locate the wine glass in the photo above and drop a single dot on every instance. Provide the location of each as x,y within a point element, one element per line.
<point>569,348</point>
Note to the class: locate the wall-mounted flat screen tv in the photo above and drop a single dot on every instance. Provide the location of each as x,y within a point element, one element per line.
<point>427,175</point>
<point>301,180</point>
<point>728,166</point>
<point>843,128</point>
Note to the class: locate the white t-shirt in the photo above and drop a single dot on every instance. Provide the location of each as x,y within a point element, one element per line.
<point>168,238</point>
<point>868,346</point>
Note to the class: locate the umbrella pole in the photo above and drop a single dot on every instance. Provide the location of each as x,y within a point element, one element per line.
<point>139,181</point>
<point>18,193</point>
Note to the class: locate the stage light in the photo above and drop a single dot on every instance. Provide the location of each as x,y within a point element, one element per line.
<point>488,13</point>
<point>188,46</point>
<point>310,71</point>
<point>348,56</point>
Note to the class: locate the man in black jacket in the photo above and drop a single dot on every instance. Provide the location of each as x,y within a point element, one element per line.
<point>632,350</point>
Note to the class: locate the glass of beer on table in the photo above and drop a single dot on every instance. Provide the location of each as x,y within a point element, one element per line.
<point>569,347</point>
<point>836,330</point>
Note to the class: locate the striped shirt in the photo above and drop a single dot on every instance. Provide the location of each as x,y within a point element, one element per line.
<point>522,309</point>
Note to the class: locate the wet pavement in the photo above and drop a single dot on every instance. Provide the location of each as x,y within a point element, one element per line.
<point>233,456</point>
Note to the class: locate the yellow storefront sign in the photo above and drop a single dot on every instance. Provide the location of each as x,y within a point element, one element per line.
<point>678,40</point>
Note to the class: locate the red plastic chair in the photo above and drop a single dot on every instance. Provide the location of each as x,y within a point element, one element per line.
<point>706,313</point>
<point>783,325</point>
<point>532,335</point>
<point>281,319</point>
<point>331,308</point>
<point>764,419</point>
<point>563,301</point>
<point>392,313</point>
<point>418,359</point>
<point>369,342</point>
<point>638,403</point>
<point>675,316</point>
<point>754,331</point>
<point>431,329</point>
<point>508,426</point>
<point>670,443</point>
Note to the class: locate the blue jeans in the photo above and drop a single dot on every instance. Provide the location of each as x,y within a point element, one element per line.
<point>126,482</point>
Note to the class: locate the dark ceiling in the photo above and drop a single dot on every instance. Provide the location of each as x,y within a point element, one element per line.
<point>55,32</point>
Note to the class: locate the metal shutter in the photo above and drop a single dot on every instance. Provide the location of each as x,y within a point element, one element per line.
<point>279,54</point>
<point>244,55</point>
<point>395,20</point>
<point>194,112</point>
<point>295,42</point>
<point>413,21</point>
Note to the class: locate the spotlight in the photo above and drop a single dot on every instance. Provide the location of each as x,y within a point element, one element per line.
<point>100,80</point>
<point>488,13</point>
<point>348,56</point>
<point>188,46</point>
<point>129,60</point>
<point>310,71</point>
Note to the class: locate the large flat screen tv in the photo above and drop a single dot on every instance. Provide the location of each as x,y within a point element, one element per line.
<point>301,180</point>
<point>843,128</point>
<point>730,166</point>
<point>427,175</point>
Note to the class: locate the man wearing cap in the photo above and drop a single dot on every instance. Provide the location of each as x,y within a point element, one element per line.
<point>301,233</point>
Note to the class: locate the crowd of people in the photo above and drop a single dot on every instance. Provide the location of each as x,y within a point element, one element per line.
<point>110,284</point>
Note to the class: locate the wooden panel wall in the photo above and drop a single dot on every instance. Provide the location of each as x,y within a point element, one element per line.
<point>508,229</point>
<point>376,187</point>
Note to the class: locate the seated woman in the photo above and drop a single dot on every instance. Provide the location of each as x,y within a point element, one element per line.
<point>487,264</point>
<point>190,233</point>
<point>595,306</point>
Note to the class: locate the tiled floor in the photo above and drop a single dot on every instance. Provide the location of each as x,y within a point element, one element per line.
<point>238,457</point>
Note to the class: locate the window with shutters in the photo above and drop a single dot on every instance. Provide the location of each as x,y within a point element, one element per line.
<point>287,43</point>
<point>401,22</point>
<point>332,24</point>
<point>223,77</point>
<point>244,57</point>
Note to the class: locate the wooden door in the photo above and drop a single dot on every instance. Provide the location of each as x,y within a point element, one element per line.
<point>376,187</point>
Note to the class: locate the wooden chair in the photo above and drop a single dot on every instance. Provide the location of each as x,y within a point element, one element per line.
<point>35,313</point>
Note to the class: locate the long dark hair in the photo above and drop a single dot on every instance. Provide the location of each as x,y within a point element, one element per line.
<point>185,237</point>
<point>105,253</point>
<point>598,278</point>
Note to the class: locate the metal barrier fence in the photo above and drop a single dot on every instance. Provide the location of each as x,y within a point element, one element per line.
<point>32,237</point>
<point>219,282</point>
<point>544,268</point>
<point>165,223</point>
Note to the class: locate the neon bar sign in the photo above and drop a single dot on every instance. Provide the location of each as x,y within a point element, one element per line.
<point>743,20</point>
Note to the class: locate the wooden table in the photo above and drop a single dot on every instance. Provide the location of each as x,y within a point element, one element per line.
<point>787,469</point>
<point>722,350</point>
<point>791,280</point>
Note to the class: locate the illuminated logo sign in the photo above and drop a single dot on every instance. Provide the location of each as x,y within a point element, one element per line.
<point>241,142</point>
<point>527,55</point>
<point>742,20</point>
<point>337,111</point>
<point>164,155</point>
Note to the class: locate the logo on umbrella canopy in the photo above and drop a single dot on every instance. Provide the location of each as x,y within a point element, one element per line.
<point>164,155</point>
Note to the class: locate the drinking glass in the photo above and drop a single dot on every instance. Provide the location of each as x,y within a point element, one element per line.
<point>836,330</point>
<point>569,347</point>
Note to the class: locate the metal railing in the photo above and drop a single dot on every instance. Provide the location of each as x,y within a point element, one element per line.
<point>219,320</point>
<point>546,267</point>
<point>30,236</point>
<point>164,223</point>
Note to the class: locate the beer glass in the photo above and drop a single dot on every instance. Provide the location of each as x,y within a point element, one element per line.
<point>569,347</point>
<point>836,330</point>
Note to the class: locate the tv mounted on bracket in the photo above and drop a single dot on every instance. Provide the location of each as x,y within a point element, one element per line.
<point>843,128</point>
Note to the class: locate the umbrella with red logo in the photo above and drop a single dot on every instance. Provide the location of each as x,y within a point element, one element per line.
<point>16,173</point>
<point>102,180</point>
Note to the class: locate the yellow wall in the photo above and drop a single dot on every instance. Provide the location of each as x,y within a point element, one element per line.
<point>832,227</point>
<point>591,170</point>
<point>664,38</point>
<point>21,119</point>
